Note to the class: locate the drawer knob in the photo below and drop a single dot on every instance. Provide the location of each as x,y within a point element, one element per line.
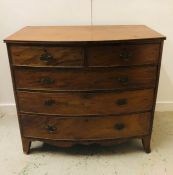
<point>121,102</point>
<point>46,57</point>
<point>51,129</point>
<point>123,80</point>
<point>119,126</point>
<point>49,102</point>
<point>125,55</point>
<point>46,80</point>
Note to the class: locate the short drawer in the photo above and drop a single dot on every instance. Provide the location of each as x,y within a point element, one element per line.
<point>123,55</point>
<point>85,128</point>
<point>46,56</point>
<point>86,103</point>
<point>119,78</point>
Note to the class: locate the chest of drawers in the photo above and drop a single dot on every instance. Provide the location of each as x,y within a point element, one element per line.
<point>85,84</point>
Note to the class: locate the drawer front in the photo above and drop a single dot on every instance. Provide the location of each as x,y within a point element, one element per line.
<point>86,103</point>
<point>47,56</point>
<point>72,128</point>
<point>122,78</point>
<point>123,55</point>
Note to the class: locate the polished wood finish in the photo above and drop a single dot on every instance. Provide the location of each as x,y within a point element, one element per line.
<point>83,33</point>
<point>26,145</point>
<point>123,55</point>
<point>90,79</point>
<point>146,143</point>
<point>85,84</point>
<point>47,56</point>
<point>87,128</point>
<point>86,103</point>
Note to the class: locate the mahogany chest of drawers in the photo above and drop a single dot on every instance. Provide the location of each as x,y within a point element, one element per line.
<point>85,84</point>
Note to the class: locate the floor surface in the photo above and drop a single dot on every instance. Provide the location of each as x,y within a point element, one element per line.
<point>124,159</point>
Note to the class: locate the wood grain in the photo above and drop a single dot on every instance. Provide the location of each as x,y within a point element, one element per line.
<point>140,54</point>
<point>86,103</point>
<point>60,56</point>
<point>70,83</point>
<point>85,127</point>
<point>83,33</point>
<point>85,79</point>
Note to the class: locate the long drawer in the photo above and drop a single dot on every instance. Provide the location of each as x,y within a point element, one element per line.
<point>86,103</point>
<point>72,128</point>
<point>47,56</point>
<point>123,55</point>
<point>81,79</point>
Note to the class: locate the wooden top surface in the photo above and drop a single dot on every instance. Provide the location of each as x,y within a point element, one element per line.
<point>83,33</point>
